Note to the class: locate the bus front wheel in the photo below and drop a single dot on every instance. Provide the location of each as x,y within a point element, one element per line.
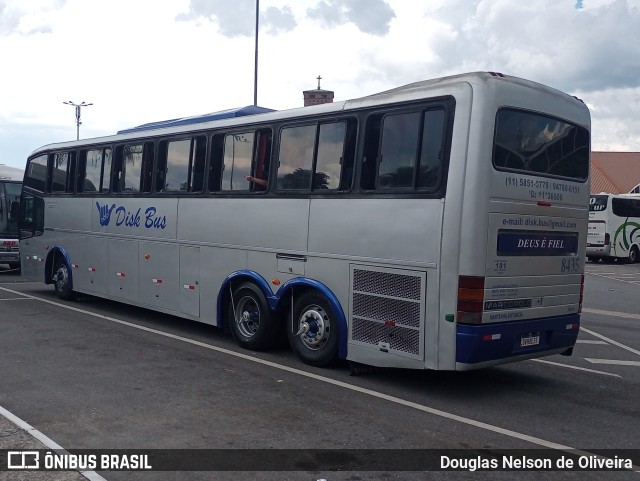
<point>250,320</point>
<point>61,281</point>
<point>313,331</point>
<point>634,255</point>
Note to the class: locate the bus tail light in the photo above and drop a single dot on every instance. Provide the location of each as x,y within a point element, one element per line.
<point>607,239</point>
<point>470,299</point>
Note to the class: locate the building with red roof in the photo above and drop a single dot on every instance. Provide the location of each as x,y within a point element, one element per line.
<point>615,172</point>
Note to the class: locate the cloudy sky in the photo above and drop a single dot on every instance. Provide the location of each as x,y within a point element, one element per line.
<point>140,61</point>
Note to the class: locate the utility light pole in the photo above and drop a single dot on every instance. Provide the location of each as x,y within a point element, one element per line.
<point>255,69</point>
<point>78,108</point>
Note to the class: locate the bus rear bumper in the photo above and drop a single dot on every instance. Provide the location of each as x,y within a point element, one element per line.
<point>491,344</point>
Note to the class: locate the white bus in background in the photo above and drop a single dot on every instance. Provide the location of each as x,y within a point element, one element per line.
<point>438,225</point>
<point>614,228</point>
<point>10,187</point>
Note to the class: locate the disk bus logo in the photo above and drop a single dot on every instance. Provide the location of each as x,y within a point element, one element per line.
<point>23,460</point>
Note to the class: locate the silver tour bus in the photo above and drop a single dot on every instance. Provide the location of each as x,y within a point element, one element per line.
<point>438,225</point>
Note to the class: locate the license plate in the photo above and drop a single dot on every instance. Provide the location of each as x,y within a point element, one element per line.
<point>530,340</point>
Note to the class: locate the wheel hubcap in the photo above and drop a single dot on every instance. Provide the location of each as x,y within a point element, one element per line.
<point>61,278</point>
<point>314,327</point>
<point>247,316</point>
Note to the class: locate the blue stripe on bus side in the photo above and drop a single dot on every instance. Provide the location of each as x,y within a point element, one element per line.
<point>275,301</point>
<point>503,339</point>
<point>48,268</point>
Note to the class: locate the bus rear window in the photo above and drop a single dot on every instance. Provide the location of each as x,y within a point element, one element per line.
<point>537,144</point>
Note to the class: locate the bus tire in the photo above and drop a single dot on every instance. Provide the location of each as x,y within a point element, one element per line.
<point>250,320</point>
<point>61,281</point>
<point>634,255</point>
<point>313,331</point>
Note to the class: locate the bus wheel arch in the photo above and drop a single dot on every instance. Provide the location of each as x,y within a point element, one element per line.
<point>316,325</point>
<point>58,273</point>
<point>248,314</point>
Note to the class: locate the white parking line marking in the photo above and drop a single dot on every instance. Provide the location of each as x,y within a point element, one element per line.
<point>577,368</point>
<point>47,441</point>
<point>613,362</point>
<point>611,341</point>
<point>17,299</point>
<point>327,380</point>
<point>612,278</point>
<point>626,315</point>
<point>589,341</point>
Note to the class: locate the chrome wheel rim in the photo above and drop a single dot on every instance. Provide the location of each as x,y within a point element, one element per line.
<point>247,316</point>
<point>314,327</point>
<point>61,278</point>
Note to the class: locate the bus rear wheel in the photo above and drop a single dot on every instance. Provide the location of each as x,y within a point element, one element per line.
<point>250,320</point>
<point>61,281</point>
<point>313,331</point>
<point>634,255</point>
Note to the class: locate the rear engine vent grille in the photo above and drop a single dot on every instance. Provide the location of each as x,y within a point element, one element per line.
<point>387,309</point>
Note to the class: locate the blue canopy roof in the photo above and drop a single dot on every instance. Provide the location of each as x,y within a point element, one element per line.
<point>223,114</point>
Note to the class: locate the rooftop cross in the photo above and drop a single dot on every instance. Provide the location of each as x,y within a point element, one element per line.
<point>319,78</point>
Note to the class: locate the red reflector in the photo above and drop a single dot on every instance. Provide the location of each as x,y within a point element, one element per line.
<point>491,337</point>
<point>389,323</point>
<point>544,203</point>
<point>9,243</point>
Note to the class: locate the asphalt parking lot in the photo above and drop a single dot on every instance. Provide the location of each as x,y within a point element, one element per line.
<point>102,375</point>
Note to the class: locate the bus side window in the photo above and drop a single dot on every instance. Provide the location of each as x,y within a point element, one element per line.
<point>214,180</point>
<point>370,153</point>
<point>146,174</point>
<point>198,163</point>
<point>180,164</point>
<point>432,148</point>
<point>106,170</point>
<point>134,174</point>
<point>348,156</point>
<point>117,175</point>
<point>173,176</point>
<point>329,156</point>
<point>36,173</point>
<point>237,161</point>
<point>263,161</point>
<point>132,167</point>
<point>89,170</point>
<point>62,172</point>
<point>295,158</point>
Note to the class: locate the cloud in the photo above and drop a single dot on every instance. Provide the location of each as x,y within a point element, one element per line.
<point>278,20</point>
<point>370,16</point>
<point>238,19</point>
<point>614,118</point>
<point>549,41</point>
<point>27,18</point>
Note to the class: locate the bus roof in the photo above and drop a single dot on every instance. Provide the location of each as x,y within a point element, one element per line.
<point>11,173</point>
<point>238,116</point>
<point>198,119</point>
